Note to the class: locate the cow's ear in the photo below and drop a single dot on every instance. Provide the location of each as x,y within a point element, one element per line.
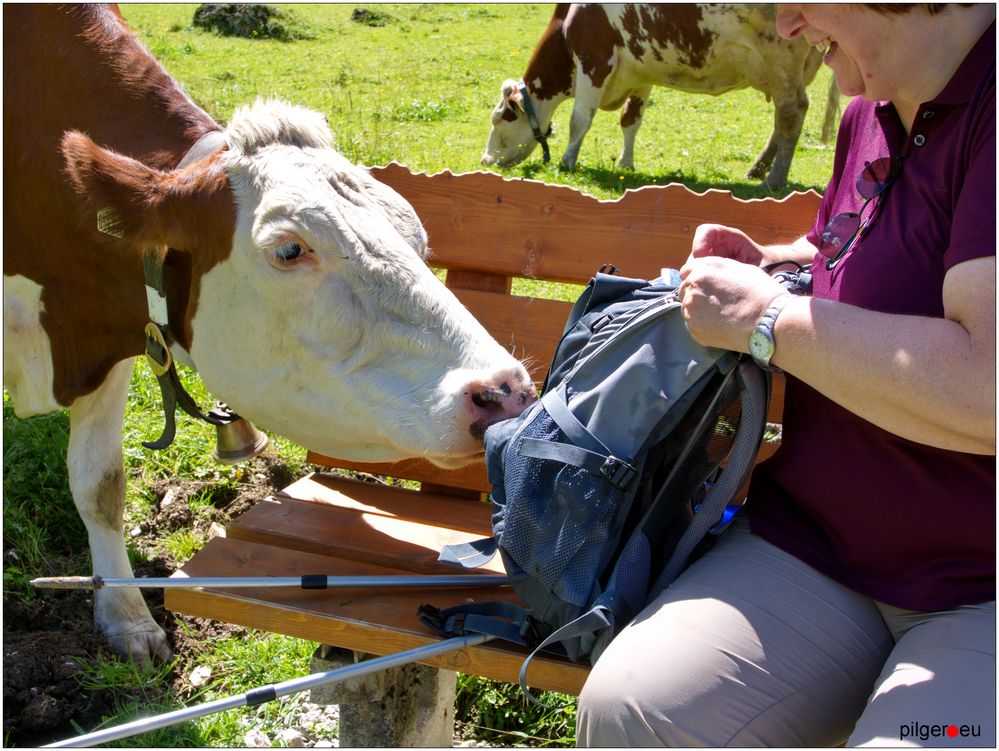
<point>512,98</point>
<point>186,209</point>
<point>511,102</point>
<point>116,190</point>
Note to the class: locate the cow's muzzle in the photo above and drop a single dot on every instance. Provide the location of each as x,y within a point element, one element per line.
<point>487,404</point>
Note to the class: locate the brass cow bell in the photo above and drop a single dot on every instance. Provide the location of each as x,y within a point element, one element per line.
<point>236,438</point>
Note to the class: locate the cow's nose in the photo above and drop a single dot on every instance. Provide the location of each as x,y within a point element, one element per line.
<point>489,402</point>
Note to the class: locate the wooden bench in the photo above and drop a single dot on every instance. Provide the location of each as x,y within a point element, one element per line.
<point>485,231</point>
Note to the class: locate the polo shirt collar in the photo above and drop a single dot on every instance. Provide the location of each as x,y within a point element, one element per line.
<point>966,79</point>
<point>969,73</point>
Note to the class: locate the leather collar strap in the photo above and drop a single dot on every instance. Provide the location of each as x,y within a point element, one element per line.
<point>161,359</point>
<point>532,118</point>
<point>158,331</point>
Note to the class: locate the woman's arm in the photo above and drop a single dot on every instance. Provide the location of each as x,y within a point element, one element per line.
<point>926,379</point>
<point>932,380</point>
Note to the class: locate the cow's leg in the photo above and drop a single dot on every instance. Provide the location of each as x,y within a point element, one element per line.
<point>790,106</point>
<point>631,121</point>
<point>758,169</point>
<point>584,107</point>
<point>97,481</point>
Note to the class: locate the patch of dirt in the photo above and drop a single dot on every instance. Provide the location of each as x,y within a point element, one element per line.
<point>250,21</point>
<point>44,644</point>
<point>49,641</point>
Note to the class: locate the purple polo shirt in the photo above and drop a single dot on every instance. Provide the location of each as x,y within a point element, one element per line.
<point>904,523</point>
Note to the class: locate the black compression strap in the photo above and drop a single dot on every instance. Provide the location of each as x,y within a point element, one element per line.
<point>314,581</point>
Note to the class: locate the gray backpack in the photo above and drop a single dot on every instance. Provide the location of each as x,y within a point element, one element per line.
<point>617,477</point>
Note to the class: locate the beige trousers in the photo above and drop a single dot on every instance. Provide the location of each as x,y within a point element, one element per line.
<point>752,647</point>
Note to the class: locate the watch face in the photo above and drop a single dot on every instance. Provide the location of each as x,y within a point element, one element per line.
<point>760,346</point>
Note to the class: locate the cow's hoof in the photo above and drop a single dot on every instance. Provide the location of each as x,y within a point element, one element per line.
<point>758,171</point>
<point>142,642</point>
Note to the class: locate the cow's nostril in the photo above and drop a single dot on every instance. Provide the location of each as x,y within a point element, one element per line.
<point>490,401</point>
<point>489,398</point>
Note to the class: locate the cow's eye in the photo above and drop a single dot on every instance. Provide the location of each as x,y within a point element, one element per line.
<point>289,253</point>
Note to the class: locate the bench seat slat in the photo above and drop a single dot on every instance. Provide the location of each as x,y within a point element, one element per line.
<point>412,541</point>
<point>375,621</point>
<point>471,477</point>
<point>379,498</point>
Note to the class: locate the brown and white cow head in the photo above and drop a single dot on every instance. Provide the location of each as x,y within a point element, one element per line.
<point>305,302</point>
<point>512,138</point>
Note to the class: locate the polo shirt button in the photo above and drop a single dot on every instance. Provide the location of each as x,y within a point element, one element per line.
<point>919,140</point>
<point>928,114</point>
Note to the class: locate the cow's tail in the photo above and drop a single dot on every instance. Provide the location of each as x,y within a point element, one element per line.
<point>831,122</point>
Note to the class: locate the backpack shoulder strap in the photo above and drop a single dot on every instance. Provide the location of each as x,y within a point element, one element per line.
<point>608,611</point>
<point>754,386</point>
<point>596,619</point>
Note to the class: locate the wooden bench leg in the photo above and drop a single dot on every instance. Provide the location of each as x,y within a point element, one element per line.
<point>412,705</point>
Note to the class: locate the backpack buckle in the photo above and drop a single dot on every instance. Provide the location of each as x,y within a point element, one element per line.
<point>455,624</point>
<point>618,472</point>
<point>432,618</point>
<point>601,322</point>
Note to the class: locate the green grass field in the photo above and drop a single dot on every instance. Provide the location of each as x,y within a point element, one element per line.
<point>420,88</point>
<point>417,89</point>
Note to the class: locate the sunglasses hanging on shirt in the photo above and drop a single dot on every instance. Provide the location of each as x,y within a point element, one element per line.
<point>843,230</point>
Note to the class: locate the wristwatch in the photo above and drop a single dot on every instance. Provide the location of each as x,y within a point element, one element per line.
<point>761,341</point>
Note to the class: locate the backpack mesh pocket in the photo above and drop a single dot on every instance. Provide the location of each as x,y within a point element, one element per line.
<point>558,517</point>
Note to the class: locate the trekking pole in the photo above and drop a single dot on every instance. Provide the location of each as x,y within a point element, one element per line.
<point>309,581</point>
<point>264,694</point>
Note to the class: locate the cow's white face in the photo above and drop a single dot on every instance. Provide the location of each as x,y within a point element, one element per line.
<point>511,139</point>
<point>309,308</point>
<point>325,325</point>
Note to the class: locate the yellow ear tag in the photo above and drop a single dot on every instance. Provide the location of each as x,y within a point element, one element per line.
<point>109,224</point>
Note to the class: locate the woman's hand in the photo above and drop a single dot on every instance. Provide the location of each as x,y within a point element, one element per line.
<point>729,242</point>
<point>723,300</point>
<point>725,242</point>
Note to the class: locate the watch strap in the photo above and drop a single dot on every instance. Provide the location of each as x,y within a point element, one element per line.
<point>766,325</point>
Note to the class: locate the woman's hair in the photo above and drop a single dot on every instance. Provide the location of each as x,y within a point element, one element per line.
<point>899,8</point>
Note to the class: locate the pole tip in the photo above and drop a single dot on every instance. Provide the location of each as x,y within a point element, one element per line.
<point>63,582</point>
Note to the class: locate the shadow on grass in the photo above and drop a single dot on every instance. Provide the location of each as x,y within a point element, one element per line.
<point>617,181</point>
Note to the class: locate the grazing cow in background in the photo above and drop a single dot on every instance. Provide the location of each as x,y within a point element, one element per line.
<point>295,282</point>
<point>607,56</point>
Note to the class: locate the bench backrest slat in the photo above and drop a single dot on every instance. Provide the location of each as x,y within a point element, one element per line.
<point>525,228</point>
<point>528,327</point>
